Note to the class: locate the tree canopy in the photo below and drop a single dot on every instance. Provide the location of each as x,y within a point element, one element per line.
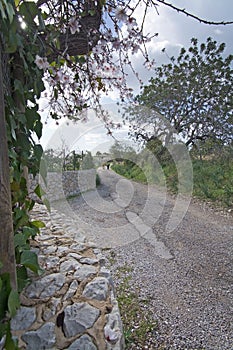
<point>193,93</point>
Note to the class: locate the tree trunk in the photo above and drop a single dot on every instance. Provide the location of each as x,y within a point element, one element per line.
<point>7,250</point>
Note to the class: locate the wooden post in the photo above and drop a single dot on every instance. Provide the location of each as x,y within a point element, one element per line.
<point>7,250</point>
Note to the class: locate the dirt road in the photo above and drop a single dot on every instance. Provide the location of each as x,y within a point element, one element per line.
<point>180,254</point>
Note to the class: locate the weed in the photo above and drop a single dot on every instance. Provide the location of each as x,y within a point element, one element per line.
<point>138,323</point>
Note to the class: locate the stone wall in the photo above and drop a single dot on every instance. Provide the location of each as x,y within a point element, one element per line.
<point>72,304</point>
<point>62,185</point>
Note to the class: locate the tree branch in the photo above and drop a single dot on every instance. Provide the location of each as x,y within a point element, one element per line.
<point>201,20</point>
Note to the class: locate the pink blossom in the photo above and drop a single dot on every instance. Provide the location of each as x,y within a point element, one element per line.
<point>74,25</point>
<point>41,62</point>
<point>121,15</point>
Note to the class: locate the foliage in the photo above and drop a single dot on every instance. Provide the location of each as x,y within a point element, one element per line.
<point>212,175</point>
<point>87,162</point>
<point>193,93</point>
<point>56,161</point>
<point>122,150</point>
<point>213,181</point>
<point>130,170</point>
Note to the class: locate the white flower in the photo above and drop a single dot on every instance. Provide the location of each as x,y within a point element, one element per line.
<point>121,15</point>
<point>131,24</point>
<point>41,62</point>
<point>74,25</point>
<point>149,64</point>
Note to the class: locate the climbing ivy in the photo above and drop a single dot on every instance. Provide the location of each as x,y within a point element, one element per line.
<point>23,122</point>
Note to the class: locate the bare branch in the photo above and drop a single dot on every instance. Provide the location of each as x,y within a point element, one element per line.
<point>201,20</point>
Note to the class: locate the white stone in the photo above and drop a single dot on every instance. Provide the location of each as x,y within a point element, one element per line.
<point>97,289</point>
<point>89,261</point>
<point>43,338</point>
<point>24,318</point>
<point>71,291</point>
<point>78,318</point>
<point>84,342</point>
<point>46,286</point>
<point>70,265</point>
<point>85,271</point>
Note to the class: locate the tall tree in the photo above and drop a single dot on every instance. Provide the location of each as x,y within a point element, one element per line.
<point>193,94</point>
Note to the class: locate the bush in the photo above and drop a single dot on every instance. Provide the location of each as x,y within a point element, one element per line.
<point>212,179</point>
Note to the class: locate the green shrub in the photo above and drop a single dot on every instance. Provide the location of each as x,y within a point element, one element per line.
<point>212,178</point>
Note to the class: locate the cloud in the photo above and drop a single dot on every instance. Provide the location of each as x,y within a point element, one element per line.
<point>218,31</point>
<point>91,136</point>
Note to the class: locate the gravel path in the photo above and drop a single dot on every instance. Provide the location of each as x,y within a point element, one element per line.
<point>184,275</point>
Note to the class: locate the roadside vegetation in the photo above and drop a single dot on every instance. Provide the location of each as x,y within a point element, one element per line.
<point>212,179</point>
<point>139,324</point>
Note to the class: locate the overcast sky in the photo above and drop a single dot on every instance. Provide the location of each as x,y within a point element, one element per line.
<point>175,31</point>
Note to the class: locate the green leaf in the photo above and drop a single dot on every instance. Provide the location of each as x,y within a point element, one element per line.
<point>38,128</point>
<point>13,127</point>
<point>38,223</point>
<point>29,259</point>
<point>92,12</point>
<point>41,22</point>
<point>38,151</point>
<point>31,117</point>
<point>13,302</point>
<point>21,117</point>
<point>21,241</point>
<point>38,87</point>
<point>12,42</point>
<point>2,10</point>
<point>39,191</point>
<point>10,11</point>
<point>30,231</point>
<point>23,141</point>
<point>22,277</point>
<point>29,11</point>
<point>23,221</point>
<point>55,93</point>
